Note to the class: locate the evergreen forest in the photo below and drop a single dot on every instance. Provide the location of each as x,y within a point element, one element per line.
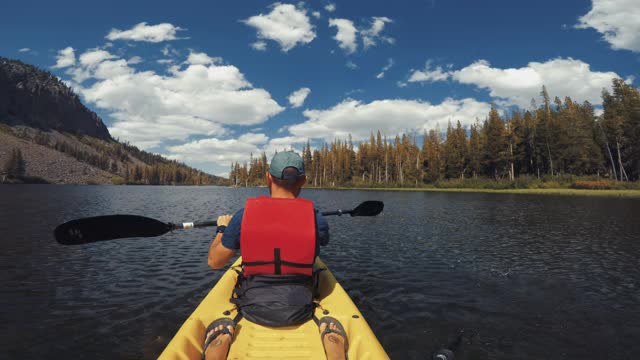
<point>555,140</point>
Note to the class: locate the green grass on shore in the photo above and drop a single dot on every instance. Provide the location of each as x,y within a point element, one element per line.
<point>559,191</point>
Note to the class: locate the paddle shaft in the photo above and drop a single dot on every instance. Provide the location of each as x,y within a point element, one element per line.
<point>109,227</point>
<point>190,225</point>
<point>337,212</point>
<point>200,224</point>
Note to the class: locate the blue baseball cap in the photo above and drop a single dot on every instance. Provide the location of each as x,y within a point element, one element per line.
<point>286,165</point>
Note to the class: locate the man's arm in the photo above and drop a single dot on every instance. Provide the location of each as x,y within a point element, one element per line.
<point>219,254</point>
<point>322,229</point>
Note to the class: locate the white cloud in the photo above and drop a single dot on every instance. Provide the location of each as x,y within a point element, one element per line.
<point>199,97</point>
<point>218,151</point>
<point>297,98</point>
<point>389,116</point>
<point>371,36</point>
<point>144,32</point>
<point>285,24</point>
<point>283,144</point>
<point>428,75</point>
<point>330,7</point>
<point>346,35</point>
<point>259,45</point>
<point>316,14</point>
<point>253,138</point>
<point>91,58</point>
<point>147,134</point>
<point>617,21</point>
<point>134,60</point>
<point>65,58</point>
<point>385,69</point>
<point>222,152</point>
<point>351,65</point>
<point>24,50</point>
<point>198,58</point>
<point>517,86</point>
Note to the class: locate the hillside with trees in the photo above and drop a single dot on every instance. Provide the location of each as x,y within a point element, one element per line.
<point>560,140</point>
<point>48,136</point>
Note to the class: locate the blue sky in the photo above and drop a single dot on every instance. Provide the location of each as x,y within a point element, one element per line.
<point>209,83</point>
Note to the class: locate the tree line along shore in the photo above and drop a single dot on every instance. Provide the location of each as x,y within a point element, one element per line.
<point>559,144</point>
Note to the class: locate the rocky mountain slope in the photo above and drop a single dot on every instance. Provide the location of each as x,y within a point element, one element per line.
<point>36,98</point>
<point>63,142</point>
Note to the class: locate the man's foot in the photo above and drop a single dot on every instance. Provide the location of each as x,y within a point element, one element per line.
<point>218,339</point>
<point>334,338</point>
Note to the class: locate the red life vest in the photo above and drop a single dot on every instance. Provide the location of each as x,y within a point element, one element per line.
<point>278,236</point>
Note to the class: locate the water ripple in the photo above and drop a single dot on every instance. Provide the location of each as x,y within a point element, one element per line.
<point>524,276</point>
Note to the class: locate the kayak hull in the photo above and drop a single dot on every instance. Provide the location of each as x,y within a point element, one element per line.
<point>253,341</point>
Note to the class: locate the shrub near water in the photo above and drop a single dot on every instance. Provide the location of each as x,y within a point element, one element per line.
<point>532,182</point>
<point>593,184</point>
<point>605,185</point>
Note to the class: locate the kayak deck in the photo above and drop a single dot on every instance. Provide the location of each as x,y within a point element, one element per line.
<point>253,341</point>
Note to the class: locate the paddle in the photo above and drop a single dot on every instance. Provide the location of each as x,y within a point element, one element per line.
<point>110,227</point>
<point>448,353</point>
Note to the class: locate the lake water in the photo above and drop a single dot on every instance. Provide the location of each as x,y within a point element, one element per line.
<point>522,276</point>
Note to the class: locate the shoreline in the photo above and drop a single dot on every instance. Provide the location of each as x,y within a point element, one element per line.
<point>627,194</point>
<point>556,191</point>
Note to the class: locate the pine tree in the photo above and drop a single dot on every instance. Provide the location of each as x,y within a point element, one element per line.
<point>496,144</point>
<point>15,165</point>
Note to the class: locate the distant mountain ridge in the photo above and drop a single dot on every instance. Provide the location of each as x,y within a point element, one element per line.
<point>63,142</point>
<point>36,98</point>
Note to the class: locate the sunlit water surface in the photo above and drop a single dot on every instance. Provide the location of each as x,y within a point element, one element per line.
<point>522,276</point>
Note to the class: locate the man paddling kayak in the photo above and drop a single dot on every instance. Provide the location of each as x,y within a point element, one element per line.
<point>279,238</point>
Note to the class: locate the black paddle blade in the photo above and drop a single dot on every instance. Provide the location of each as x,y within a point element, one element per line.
<point>100,228</point>
<point>368,208</point>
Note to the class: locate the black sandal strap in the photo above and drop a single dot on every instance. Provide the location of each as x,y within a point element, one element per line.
<point>213,336</point>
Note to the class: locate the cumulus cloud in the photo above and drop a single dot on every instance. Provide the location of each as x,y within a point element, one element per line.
<point>134,60</point>
<point>385,69</point>
<point>24,50</point>
<point>285,24</point>
<point>201,96</point>
<point>148,33</point>
<point>517,86</point>
<point>390,116</point>
<point>297,98</point>
<point>372,35</point>
<point>92,58</point>
<point>259,46</point>
<point>198,58</point>
<point>316,14</point>
<point>617,21</point>
<point>65,58</point>
<point>346,35</point>
<point>429,74</point>
<point>223,152</point>
<point>351,65</point>
<point>283,144</point>
<point>219,151</point>
<point>330,7</point>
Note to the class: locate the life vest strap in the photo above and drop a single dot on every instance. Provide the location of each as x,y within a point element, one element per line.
<point>278,262</point>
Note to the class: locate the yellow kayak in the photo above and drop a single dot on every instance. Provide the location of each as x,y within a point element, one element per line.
<point>253,341</point>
